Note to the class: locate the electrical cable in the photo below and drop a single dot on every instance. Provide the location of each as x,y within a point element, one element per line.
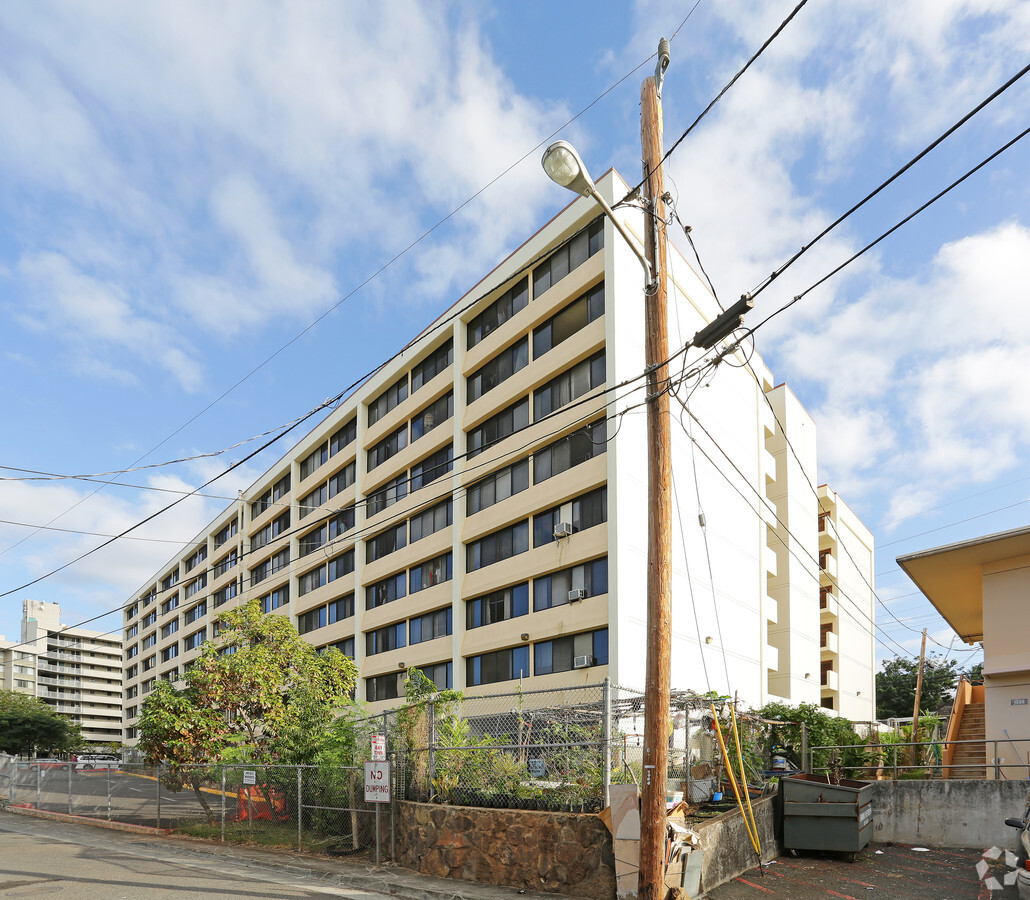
<point>706,110</point>
<point>892,229</point>
<point>89,533</point>
<point>922,153</point>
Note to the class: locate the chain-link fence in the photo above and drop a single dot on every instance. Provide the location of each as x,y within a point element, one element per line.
<point>316,808</point>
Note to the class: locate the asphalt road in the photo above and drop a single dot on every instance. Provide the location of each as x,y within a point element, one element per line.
<point>41,858</point>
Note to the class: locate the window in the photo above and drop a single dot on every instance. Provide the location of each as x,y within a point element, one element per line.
<point>395,489</point>
<point>132,672</point>
<point>346,647</point>
<point>566,322</point>
<point>501,665</point>
<point>198,612</point>
<point>260,572</point>
<point>498,427</point>
<point>278,597</point>
<point>825,595</point>
<point>149,619</point>
<point>271,531</point>
<point>197,558</point>
<point>385,591</point>
<point>386,542</point>
<point>582,513</point>
<point>340,565</point>
<point>432,365</point>
<point>313,501</point>
<point>132,651</point>
<point>218,598</point>
<point>227,532</point>
<point>572,254</point>
<point>131,712</point>
<point>500,545</point>
<point>824,559</point>
<point>170,628</point>
<point>571,385</point>
<point>310,581</point>
<point>148,685</point>
<point>344,437</point>
<point>513,300</point>
<point>432,467</point>
<point>436,413</point>
<point>131,692</point>
<point>312,620</point>
<point>384,687</point>
<point>149,663</point>
<point>498,606</point>
<point>430,573</point>
<point>428,522</point>
<point>170,604</point>
<point>131,611</point>
<point>170,580</point>
<point>553,590</point>
<point>336,527</point>
<point>340,609</point>
<point>148,599</point>
<point>561,654</point>
<point>276,492</point>
<point>310,464</point>
<point>388,447</point>
<point>342,479</point>
<point>193,641</point>
<point>196,585</point>
<point>498,486</point>
<point>430,626</point>
<point>392,637</point>
<point>499,369</point>
<point>132,631</point>
<point>439,674</point>
<point>569,451</point>
<point>824,629</point>
<point>825,667</point>
<point>387,400</point>
<point>226,563</point>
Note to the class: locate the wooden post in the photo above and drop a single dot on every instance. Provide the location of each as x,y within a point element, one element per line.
<point>659,475</point>
<point>915,709</point>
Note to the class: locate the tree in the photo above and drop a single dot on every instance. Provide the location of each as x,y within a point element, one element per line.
<point>28,725</point>
<point>263,694</point>
<point>896,685</point>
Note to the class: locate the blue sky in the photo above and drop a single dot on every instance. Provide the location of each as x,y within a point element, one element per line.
<point>185,188</point>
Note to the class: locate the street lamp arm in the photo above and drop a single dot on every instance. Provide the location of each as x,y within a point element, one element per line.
<point>651,282</point>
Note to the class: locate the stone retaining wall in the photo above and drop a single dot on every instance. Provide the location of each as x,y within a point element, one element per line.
<point>560,853</point>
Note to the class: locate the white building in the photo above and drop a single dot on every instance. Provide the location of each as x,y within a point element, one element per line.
<point>423,522</point>
<point>78,672</point>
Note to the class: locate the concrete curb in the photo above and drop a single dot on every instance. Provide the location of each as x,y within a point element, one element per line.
<point>85,820</point>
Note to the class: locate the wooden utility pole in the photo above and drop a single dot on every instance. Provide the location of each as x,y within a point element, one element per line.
<point>659,475</point>
<point>919,691</point>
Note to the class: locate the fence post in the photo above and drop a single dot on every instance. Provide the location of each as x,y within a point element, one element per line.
<point>997,764</point>
<point>157,781</point>
<point>39,788</point>
<point>806,763</point>
<point>432,746</point>
<point>108,793</point>
<point>223,803</point>
<point>71,766</point>
<point>607,738</point>
<point>300,804</point>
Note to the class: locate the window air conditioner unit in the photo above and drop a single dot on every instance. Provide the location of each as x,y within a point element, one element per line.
<point>582,662</point>
<point>576,595</point>
<point>563,530</point>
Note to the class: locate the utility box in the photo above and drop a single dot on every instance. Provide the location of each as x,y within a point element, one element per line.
<point>822,815</point>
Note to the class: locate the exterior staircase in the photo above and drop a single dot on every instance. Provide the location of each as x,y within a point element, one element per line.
<point>961,760</point>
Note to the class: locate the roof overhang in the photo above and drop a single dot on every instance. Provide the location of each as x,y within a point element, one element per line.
<point>951,576</point>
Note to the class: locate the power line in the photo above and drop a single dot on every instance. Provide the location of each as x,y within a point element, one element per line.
<point>922,153</point>
<point>88,533</point>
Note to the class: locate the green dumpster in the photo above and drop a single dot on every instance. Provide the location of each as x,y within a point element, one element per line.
<point>822,815</point>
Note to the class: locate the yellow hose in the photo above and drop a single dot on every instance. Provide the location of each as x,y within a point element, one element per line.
<point>747,794</point>
<point>733,782</point>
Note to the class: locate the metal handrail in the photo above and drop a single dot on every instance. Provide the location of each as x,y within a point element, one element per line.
<point>996,762</point>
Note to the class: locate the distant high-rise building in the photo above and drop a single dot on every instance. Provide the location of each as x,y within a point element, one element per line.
<point>78,672</point>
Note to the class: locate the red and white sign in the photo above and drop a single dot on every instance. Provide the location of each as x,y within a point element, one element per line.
<point>377,782</point>
<point>378,747</point>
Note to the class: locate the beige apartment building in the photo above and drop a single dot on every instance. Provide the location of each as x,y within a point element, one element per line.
<point>78,671</point>
<point>477,508</point>
<point>17,667</point>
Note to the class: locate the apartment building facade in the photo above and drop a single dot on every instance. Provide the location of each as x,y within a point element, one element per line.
<point>78,671</point>
<point>17,668</point>
<point>478,507</point>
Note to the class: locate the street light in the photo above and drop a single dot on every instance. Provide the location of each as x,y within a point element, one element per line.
<point>564,167</point>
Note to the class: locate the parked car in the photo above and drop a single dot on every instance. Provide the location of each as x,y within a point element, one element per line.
<point>49,763</point>
<point>88,761</point>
